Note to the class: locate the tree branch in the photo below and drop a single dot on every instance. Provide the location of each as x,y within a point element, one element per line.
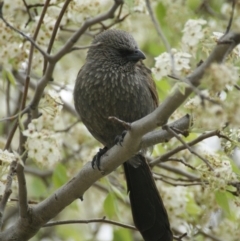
<point>95,220</point>
<point>55,29</point>
<point>159,136</point>
<point>188,147</point>
<point>167,155</point>
<point>179,171</point>
<point>22,191</point>
<point>7,191</point>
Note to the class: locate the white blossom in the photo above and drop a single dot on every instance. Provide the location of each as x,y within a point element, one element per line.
<point>43,143</point>
<point>84,9</point>
<point>44,147</point>
<point>176,199</point>
<point>193,33</point>
<point>139,6</point>
<point>163,64</point>
<point>226,9</point>
<point>221,76</point>
<point>30,131</point>
<point>51,103</point>
<point>6,156</point>
<point>222,173</point>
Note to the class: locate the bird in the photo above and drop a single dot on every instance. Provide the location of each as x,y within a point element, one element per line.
<point>115,82</point>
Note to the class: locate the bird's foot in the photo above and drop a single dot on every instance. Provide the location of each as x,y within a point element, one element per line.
<point>119,139</point>
<point>96,159</point>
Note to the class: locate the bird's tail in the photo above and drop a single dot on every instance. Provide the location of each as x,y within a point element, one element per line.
<point>149,214</point>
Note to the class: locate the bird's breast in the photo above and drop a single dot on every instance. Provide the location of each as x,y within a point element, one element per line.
<point>121,94</point>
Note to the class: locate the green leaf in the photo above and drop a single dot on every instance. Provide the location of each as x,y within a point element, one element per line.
<point>192,207</point>
<point>37,189</point>
<point>222,201</point>
<point>118,193</point>
<point>235,168</point>
<point>11,78</point>
<point>161,12</point>
<point>191,136</point>
<point>122,234</point>
<point>60,175</point>
<point>8,76</point>
<point>182,87</point>
<point>163,87</point>
<point>69,232</point>
<point>193,4</point>
<point>153,48</point>
<point>129,3</point>
<point>109,205</point>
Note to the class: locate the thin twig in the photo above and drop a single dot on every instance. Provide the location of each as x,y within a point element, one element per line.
<point>84,47</point>
<point>117,20</point>
<point>196,90</point>
<point>206,6</point>
<point>178,171</point>
<point>8,96</point>
<point>161,34</point>
<point>10,135</point>
<point>54,33</point>
<point>231,17</point>
<point>177,184</point>
<point>180,237</point>
<point>96,220</point>
<point>17,200</point>
<point>8,190</point>
<point>11,118</point>
<point>181,161</point>
<point>201,232</point>
<point>38,5</point>
<point>69,127</point>
<point>187,146</point>
<point>20,77</point>
<point>167,155</point>
<point>37,172</point>
<point>237,87</point>
<point>32,49</point>
<point>29,13</point>
<point>45,55</point>
<point>176,179</point>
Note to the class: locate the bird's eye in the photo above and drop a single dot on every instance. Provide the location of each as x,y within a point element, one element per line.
<point>125,52</point>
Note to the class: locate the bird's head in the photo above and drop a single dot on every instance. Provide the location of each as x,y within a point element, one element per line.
<point>116,47</point>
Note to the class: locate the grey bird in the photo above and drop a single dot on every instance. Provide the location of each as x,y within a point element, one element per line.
<point>115,82</point>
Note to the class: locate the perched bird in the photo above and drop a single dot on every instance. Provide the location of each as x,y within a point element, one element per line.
<point>115,82</point>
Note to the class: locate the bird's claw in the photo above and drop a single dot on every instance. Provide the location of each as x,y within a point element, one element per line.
<point>96,159</point>
<point>119,139</point>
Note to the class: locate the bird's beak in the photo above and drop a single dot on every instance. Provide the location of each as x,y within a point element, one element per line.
<point>136,55</point>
